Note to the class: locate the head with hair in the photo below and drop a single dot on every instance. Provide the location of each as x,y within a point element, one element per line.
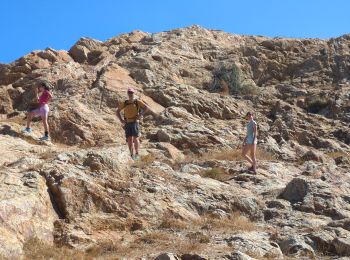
<point>131,91</point>
<point>249,115</point>
<point>44,85</point>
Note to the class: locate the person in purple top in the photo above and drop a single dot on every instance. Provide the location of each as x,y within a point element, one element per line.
<point>41,110</point>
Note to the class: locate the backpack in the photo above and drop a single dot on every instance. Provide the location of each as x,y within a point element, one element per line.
<point>135,103</point>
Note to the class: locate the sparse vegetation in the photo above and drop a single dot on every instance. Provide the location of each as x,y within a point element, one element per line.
<point>235,155</point>
<point>337,154</point>
<point>223,154</point>
<point>232,222</point>
<point>317,103</point>
<point>38,249</point>
<point>214,173</point>
<point>144,161</point>
<point>198,237</point>
<point>227,80</point>
<point>179,196</point>
<point>174,235</point>
<point>48,154</point>
<point>169,222</point>
<point>249,88</point>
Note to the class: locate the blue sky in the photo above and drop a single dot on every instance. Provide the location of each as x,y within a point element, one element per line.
<point>28,25</point>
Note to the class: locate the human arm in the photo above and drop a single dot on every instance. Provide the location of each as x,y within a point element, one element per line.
<point>255,132</point>
<point>147,108</point>
<point>49,97</point>
<point>119,116</point>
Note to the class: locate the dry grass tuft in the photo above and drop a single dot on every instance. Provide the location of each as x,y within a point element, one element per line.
<point>145,161</point>
<point>118,185</point>
<point>223,155</point>
<point>235,155</point>
<point>108,224</point>
<point>337,154</point>
<point>155,237</point>
<point>169,242</point>
<point>48,154</point>
<point>169,222</point>
<point>226,154</point>
<point>129,224</point>
<point>37,249</point>
<point>225,88</point>
<point>173,235</point>
<point>264,155</point>
<point>216,173</point>
<point>233,222</point>
<point>198,237</point>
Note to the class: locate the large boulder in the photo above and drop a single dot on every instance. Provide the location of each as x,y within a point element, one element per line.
<point>255,244</point>
<point>81,49</point>
<point>5,101</point>
<point>296,246</point>
<point>26,209</point>
<point>295,190</point>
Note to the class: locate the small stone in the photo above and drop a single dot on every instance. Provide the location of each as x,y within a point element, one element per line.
<point>167,256</point>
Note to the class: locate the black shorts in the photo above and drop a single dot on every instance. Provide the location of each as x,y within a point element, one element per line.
<point>131,129</point>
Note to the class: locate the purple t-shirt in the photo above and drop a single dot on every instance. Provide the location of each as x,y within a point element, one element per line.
<point>44,98</point>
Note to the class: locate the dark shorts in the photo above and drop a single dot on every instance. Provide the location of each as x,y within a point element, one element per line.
<point>131,129</point>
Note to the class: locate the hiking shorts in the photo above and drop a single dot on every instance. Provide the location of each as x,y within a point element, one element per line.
<point>42,111</point>
<point>250,140</point>
<point>131,129</point>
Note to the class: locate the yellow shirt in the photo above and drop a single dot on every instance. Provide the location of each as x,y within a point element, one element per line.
<point>130,109</point>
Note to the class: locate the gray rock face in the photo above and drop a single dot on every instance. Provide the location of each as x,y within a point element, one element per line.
<point>255,244</point>
<point>296,190</point>
<point>344,223</point>
<point>166,256</point>
<point>296,246</point>
<point>239,256</point>
<point>342,246</point>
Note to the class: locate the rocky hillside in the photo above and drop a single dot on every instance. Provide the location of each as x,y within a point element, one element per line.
<point>190,196</point>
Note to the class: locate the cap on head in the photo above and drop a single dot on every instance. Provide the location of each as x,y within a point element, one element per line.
<point>131,90</point>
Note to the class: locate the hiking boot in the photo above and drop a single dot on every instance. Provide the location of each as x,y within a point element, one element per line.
<point>44,138</point>
<point>27,131</point>
<point>136,157</point>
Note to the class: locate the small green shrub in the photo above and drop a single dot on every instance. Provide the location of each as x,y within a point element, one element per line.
<point>248,87</point>
<point>227,80</point>
<point>317,103</point>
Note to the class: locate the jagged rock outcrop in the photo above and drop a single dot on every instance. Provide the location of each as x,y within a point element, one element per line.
<point>190,187</point>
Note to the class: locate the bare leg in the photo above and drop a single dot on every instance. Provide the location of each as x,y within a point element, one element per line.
<point>253,155</point>
<point>130,144</point>
<point>245,151</point>
<point>137,144</point>
<point>29,118</point>
<point>46,125</point>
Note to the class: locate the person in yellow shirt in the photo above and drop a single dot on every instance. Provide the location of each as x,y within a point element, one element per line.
<point>131,109</point>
